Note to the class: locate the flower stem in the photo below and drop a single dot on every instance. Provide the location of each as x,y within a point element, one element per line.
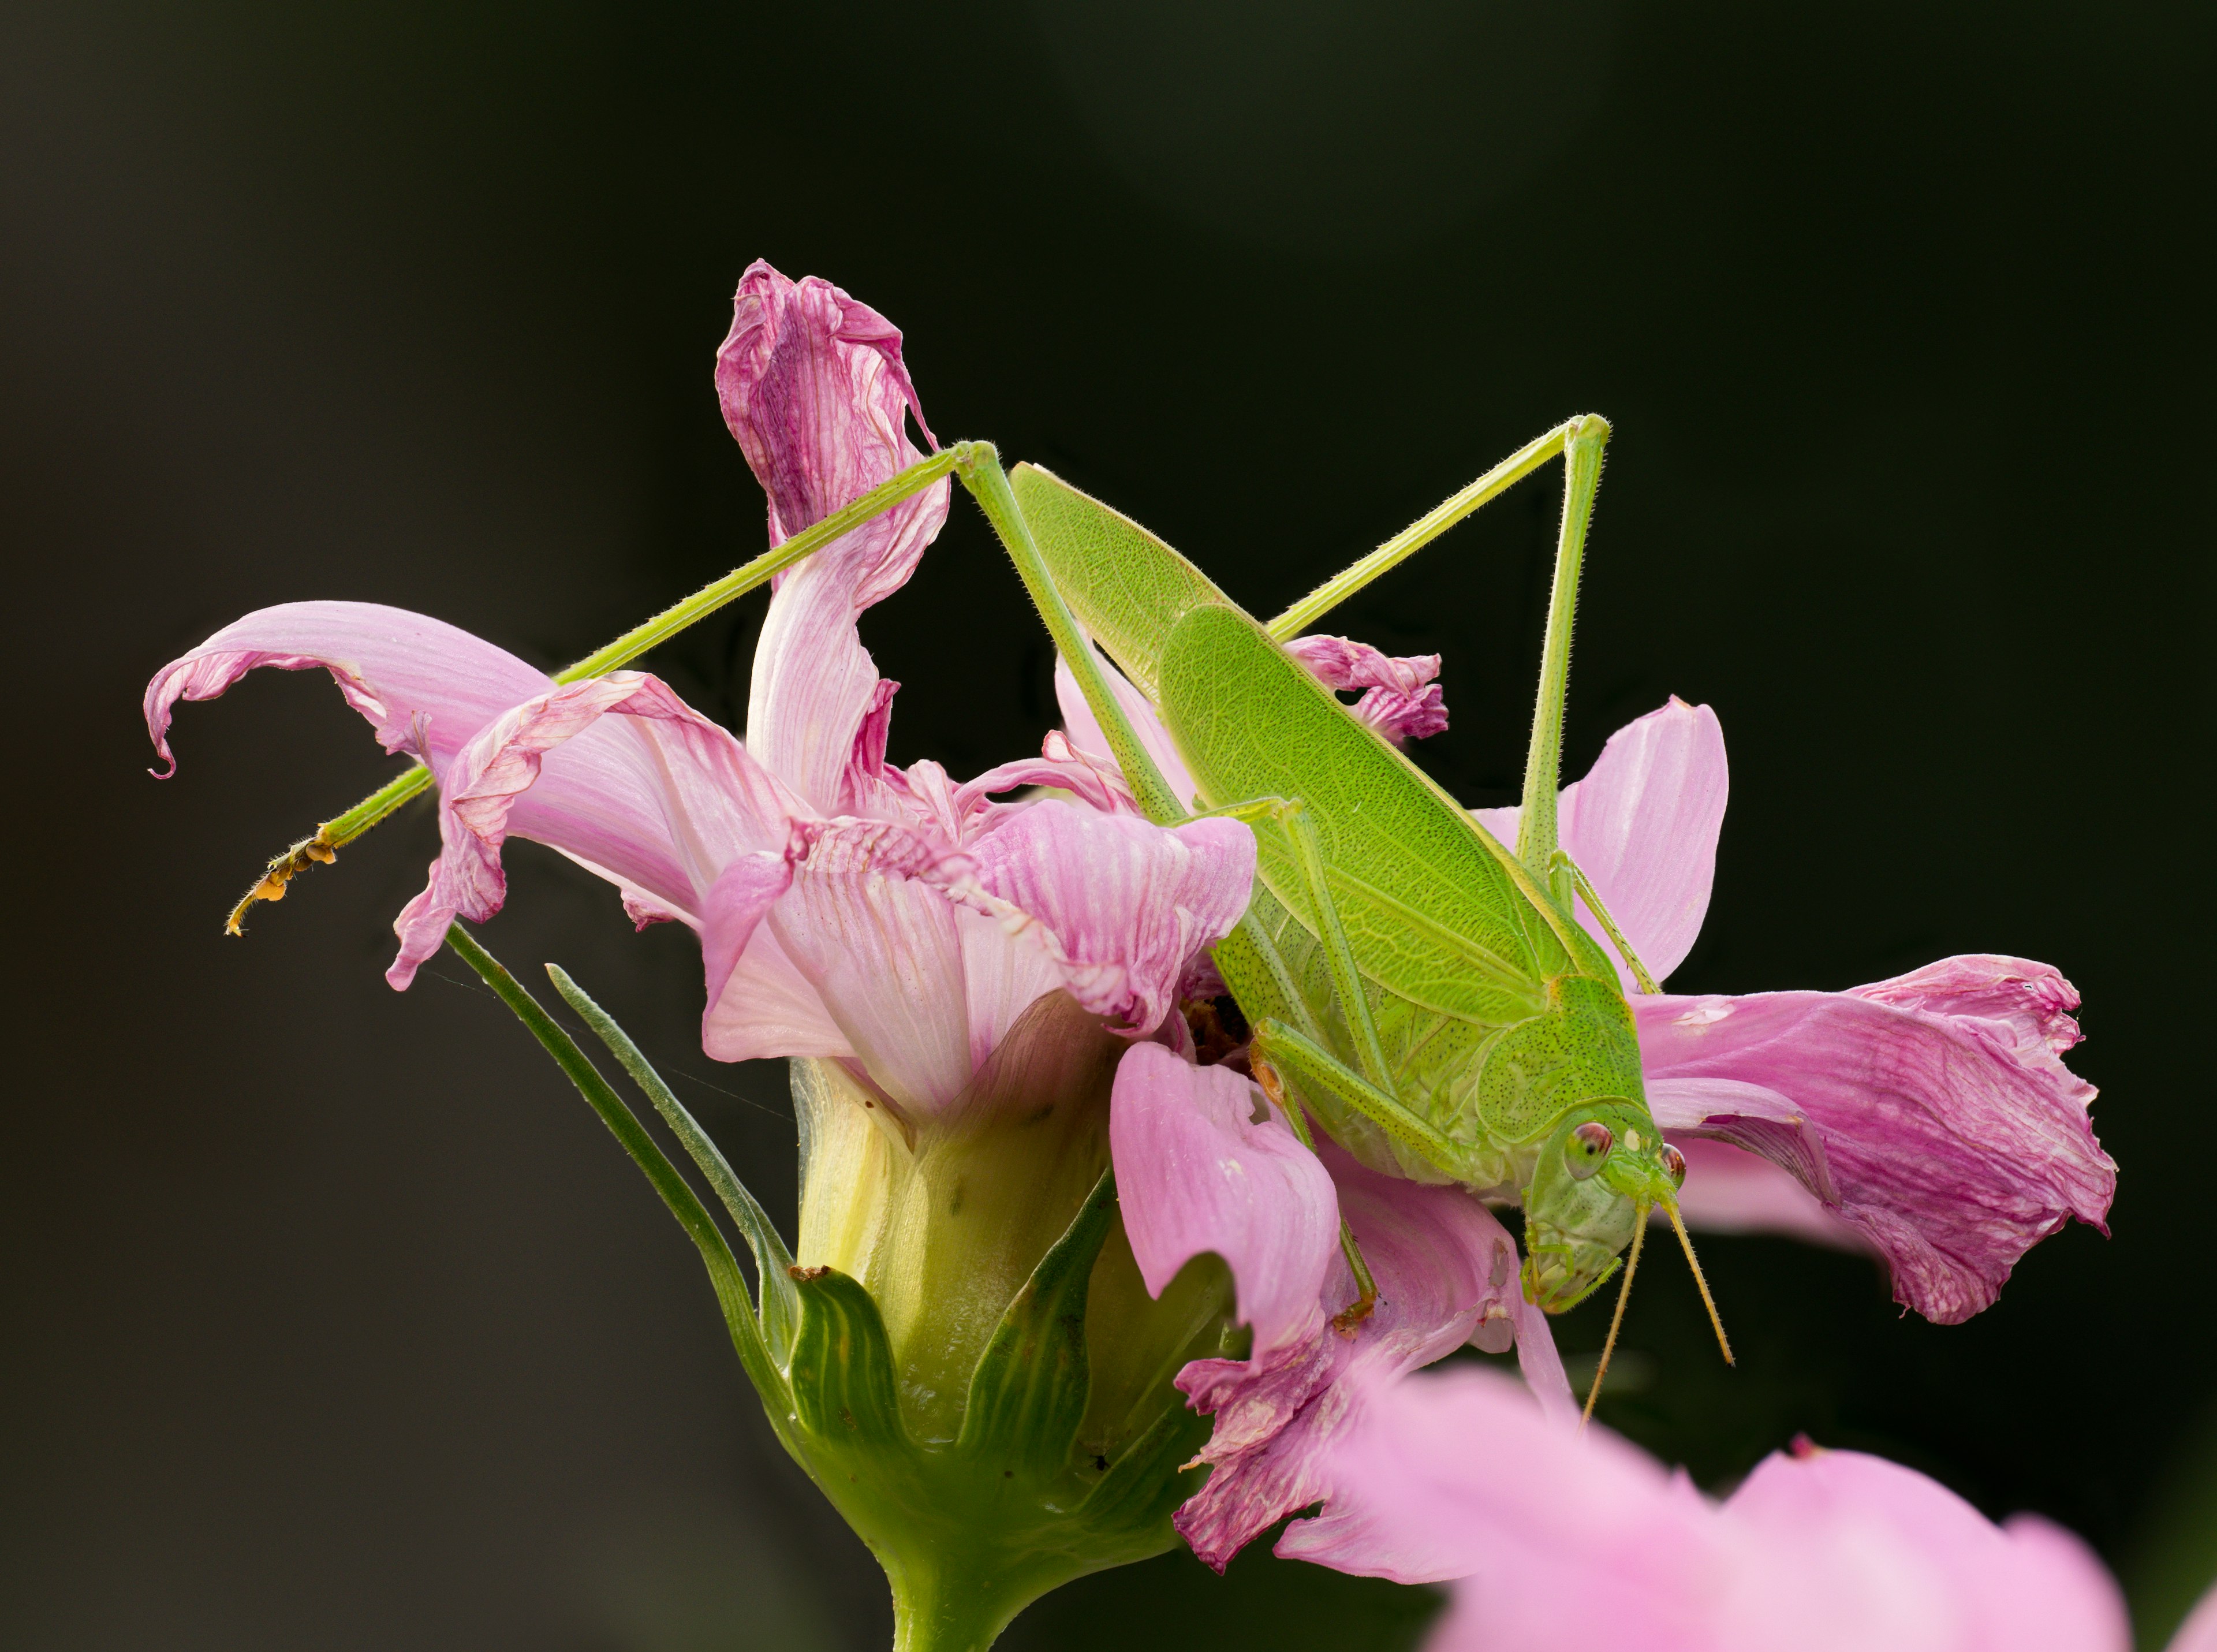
<point>956,1612</point>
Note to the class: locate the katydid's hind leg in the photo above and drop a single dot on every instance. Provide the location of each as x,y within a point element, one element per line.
<point>1583,440</point>
<point>1309,1065</point>
<point>1366,1287</point>
<point>1419,532</point>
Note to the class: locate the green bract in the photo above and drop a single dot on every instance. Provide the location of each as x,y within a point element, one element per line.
<point>966,1362</point>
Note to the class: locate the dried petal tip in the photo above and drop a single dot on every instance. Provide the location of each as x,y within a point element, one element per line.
<point>1400,700</point>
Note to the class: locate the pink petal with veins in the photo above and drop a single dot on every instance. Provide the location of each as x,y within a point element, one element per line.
<point>1447,1274</point>
<point>1643,827</point>
<point>1205,1164</point>
<point>1953,1141</point>
<point>814,388</point>
<point>1121,906</point>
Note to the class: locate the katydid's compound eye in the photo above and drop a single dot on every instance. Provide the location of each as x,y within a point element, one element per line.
<point>1674,1165</point>
<point>1589,1145</point>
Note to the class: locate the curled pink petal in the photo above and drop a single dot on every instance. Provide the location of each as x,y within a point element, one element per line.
<point>1205,1164</point>
<point>1094,781</point>
<point>1084,730</point>
<point>633,807</point>
<point>814,388</point>
<point>1120,905</point>
<point>1447,1274</point>
<point>425,686</point>
<point>1401,701</point>
<point>1953,1141</point>
<point>1643,827</point>
<point>714,803</point>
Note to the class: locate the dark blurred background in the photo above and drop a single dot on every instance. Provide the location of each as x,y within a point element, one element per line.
<point>332,1318</point>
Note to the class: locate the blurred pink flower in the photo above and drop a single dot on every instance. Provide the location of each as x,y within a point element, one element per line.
<point>846,908</point>
<point>1562,1538</point>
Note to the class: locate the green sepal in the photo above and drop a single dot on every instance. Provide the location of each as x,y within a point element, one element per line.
<point>842,1374</point>
<point>1028,1392</point>
<point>1151,1476</point>
<point>778,1301</point>
<point>730,1284</point>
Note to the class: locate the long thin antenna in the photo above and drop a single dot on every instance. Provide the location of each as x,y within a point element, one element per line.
<point>1616,1320</point>
<point>1671,1209</point>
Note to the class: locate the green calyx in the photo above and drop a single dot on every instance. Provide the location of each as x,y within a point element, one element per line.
<point>965,1360</point>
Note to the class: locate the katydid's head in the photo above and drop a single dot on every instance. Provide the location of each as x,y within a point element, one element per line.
<point>1597,1176</point>
<point>1604,1168</point>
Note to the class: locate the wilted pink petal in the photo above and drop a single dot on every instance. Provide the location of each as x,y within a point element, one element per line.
<point>1120,905</point>
<point>1084,730</point>
<point>1731,1191</point>
<point>881,948</point>
<point>1954,1141</point>
<point>1447,1274</point>
<point>1402,701</point>
<point>1554,1532</point>
<point>425,686</point>
<point>913,955</point>
<point>1094,781</point>
<point>1205,1164</point>
<point>1643,827</point>
<point>624,801</point>
<point>715,803</point>
<point>813,387</point>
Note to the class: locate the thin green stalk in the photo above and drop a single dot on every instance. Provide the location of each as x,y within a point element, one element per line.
<point>731,1284</point>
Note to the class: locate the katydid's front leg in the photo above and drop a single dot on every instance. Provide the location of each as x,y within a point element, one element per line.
<point>1591,896</point>
<point>980,471</point>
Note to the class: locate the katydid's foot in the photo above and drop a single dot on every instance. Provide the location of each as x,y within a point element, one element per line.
<point>1354,1314</point>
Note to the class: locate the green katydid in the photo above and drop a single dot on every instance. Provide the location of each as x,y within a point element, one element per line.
<point>1423,989</point>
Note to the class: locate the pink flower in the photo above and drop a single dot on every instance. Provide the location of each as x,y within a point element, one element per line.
<point>846,908</point>
<point>1560,1538</point>
<point>1930,1118</point>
